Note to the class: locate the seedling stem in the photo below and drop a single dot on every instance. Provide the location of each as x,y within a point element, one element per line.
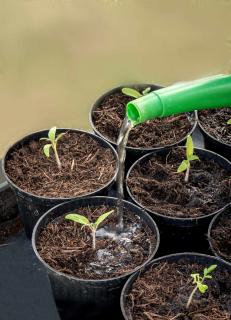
<point>56,156</point>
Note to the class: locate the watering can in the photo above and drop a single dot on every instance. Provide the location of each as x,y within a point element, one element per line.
<point>206,93</point>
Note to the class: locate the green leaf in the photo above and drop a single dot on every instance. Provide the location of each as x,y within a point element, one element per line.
<point>205,272</point>
<point>189,147</point>
<point>45,139</point>
<point>183,166</point>
<point>202,287</point>
<point>193,157</point>
<point>51,133</point>
<point>195,277</point>
<point>208,277</point>
<point>229,121</point>
<point>131,93</point>
<point>102,218</point>
<point>46,150</point>
<point>59,136</point>
<point>209,269</point>
<point>146,91</point>
<point>77,218</point>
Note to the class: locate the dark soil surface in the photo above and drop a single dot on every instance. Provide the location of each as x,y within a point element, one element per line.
<point>162,294</point>
<point>156,185</point>
<point>221,237</point>
<point>86,167</point>
<point>108,118</point>
<point>215,122</point>
<point>67,247</point>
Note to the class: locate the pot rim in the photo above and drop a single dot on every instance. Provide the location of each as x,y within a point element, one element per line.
<point>211,225</point>
<point>200,123</point>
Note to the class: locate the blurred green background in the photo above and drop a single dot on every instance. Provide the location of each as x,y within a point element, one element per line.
<point>58,56</point>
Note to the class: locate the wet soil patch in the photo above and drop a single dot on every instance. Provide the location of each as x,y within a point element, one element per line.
<point>86,167</point>
<point>109,115</point>
<point>215,123</point>
<point>221,236</point>
<point>156,185</point>
<point>162,292</point>
<point>67,247</point>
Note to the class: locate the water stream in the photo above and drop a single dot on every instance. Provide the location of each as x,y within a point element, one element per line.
<point>121,149</point>
<point>107,260</point>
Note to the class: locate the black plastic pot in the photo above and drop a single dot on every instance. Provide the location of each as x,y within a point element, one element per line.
<point>212,225</point>
<point>3,182</point>
<point>214,144</point>
<point>179,234</point>
<point>8,203</point>
<point>31,206</point>
<point>132,152</point>
<point>9,217</point>
<point>206,260</point>
<point>91,294</point>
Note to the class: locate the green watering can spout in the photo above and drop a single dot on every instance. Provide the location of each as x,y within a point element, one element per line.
<point>206,93</point>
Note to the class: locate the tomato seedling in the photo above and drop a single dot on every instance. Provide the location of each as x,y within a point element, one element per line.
<point>190,156</point>
<point>198,280</point>
<point>93,226</point>
<point>53,144</point>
